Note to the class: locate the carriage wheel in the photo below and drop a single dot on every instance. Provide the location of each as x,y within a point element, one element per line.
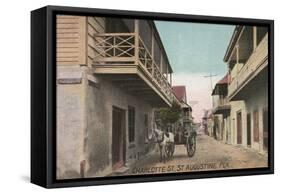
<point>191,146</point>
<point>169,149</point>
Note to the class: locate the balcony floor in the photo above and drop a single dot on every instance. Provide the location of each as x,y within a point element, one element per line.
<point>131,79</point>
<point>222,109</point>
<point>251,85</point>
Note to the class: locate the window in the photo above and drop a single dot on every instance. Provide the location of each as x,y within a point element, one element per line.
<point>131,123</point>
<point>256,125</point>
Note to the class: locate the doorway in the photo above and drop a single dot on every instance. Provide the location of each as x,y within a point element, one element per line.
<point>118,138</point>
<point>265,129</point>
<point>249,129</point>
<point>239,128</point>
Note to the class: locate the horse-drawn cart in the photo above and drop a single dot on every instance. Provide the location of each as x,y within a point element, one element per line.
<point>182,138</point>
<point>167,142</point>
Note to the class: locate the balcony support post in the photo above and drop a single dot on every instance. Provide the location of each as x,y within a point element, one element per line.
<point>136,42</point>
<point>237,53</point>
<point>152,53</point>
<point>170,79</point>
<point>161,63</point>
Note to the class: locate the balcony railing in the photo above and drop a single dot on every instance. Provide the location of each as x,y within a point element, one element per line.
<point>187,118</point>
<point>221,106</point>
<point>258,57</point>
<point>220,102</point>
<point>121,49</point>
<point>114,47</point>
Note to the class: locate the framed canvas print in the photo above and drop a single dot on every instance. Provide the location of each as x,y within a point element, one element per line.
<point>125,96</point>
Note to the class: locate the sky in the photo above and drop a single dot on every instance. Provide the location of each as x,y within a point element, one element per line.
<point>195,50</point>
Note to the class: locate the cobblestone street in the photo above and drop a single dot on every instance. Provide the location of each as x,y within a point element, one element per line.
<point>210,155</point>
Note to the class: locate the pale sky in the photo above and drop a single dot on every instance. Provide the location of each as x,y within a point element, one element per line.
<point>194,51</point>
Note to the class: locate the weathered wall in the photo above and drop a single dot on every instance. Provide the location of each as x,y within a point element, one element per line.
<point>94,25</point>
<point>257,100</point>
<point>237,106</point>
<point>210,125</point>
<point>75,39</point>
<point>75,50</point>
<point>70,121</point>
<point>71,40</point>
<point>84,104</point>
<point>228,130</point>
<point>100,100</point>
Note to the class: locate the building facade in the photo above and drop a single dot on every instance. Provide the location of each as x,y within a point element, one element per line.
<point>224,112</point>
<point>111,75</point>
<point>186,119</point>
<point>247,90</point>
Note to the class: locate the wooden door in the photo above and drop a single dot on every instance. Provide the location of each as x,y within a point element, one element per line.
<point>256,126</point>
<point>265,129</point>
<point>249,129</point>
<point>239,128</point>
<point>222,129</point>
<point>118,138</point>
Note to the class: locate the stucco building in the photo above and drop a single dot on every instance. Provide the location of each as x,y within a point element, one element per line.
<point>224,112</point>
<point>247,89</point>
<point>111,75</point>
<point>221,110</point>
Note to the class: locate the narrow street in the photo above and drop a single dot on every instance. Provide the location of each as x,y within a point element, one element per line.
<point>210,155</point>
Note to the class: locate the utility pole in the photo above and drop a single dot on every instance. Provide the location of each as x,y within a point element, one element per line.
<point>211,81</point>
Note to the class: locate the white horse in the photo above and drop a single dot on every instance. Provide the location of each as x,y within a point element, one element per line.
<point>163,140</point>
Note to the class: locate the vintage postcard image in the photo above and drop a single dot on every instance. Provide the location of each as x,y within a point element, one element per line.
<point>138,96</point>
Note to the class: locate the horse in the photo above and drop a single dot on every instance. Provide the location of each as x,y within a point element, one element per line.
<point>164,141</point>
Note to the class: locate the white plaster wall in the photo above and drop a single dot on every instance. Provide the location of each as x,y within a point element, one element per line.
<point>100,100</point>
<point>257,101</point>
<point>70,124</point>
<point>237,106</point>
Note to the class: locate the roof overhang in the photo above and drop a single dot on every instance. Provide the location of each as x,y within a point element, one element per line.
<point>232,43</point>
<point>157,35</point>
<point>220,89</point>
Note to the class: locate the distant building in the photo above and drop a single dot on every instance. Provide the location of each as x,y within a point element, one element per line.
<point>186,118</point>
<point>221,109</point>
<point>185,123</point>
<point>111,75</point>
<point>180,93</point>
<point>206,123</point>
<point>247,90</point>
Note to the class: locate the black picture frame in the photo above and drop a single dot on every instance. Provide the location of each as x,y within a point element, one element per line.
<point>43,97</point>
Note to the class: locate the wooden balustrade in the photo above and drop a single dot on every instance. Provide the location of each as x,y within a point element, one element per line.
<point>258,57</point>
<point>120,48</point>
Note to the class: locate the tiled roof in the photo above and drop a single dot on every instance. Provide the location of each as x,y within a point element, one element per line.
<point>224,80</point>
<point>180,93</point>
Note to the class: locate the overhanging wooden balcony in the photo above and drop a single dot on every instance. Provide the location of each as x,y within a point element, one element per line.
<point>254,65</point>
<point>221,106</point>
<point>187,118</point>
<point>126,61</point>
